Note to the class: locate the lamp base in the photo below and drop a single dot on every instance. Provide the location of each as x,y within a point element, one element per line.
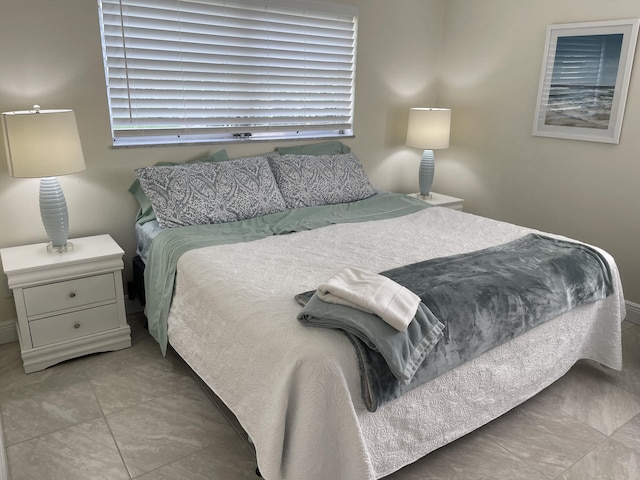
<point>51,248</point>
<point>428,196</point>
<point>425,173</point>
<point>53,210</point>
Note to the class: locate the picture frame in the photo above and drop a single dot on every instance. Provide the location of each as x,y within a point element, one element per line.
<point>585,79</point>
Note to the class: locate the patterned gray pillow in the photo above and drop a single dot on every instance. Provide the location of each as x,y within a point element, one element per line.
<point>202,193</point>
<point>309,180</point>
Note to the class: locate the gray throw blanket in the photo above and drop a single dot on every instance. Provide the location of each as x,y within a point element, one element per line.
<point>484,299</point>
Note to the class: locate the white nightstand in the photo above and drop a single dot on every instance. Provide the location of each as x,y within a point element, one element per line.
<point>68,304</point>
<point>440,200</point>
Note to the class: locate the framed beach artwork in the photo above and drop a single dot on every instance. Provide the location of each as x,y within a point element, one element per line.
<point>584,81</point>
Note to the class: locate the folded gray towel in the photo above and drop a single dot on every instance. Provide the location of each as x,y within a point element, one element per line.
<point>404,352</point>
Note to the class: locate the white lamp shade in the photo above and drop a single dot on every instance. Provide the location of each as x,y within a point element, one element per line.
<point>42,143</point>
<point>429,128</point>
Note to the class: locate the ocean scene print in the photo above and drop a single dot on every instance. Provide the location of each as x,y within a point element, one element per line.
<point>579,106</point>
<point>585,69</point>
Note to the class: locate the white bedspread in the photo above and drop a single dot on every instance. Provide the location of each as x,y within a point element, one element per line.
<point>296,390</point>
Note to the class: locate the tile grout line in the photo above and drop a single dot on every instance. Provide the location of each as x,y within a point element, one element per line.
<point>4,464</point>
<point>616,387</point>
<point>131,474</point>
<point>512,454</point>
<point>113,438</point>
<point>57,430</point>
<point>605,437</point>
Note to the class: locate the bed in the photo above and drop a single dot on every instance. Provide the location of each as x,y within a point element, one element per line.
<point>222,295</point>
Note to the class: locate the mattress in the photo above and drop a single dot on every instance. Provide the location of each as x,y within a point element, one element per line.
<point>296,390</point>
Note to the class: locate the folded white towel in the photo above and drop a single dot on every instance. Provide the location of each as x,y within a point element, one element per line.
<point>371,293</point>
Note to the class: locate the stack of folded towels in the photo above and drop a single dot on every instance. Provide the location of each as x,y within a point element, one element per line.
<point>371,293</point>
<point>386,317</point>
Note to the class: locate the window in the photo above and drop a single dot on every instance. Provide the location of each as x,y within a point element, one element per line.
<point>184,71</point>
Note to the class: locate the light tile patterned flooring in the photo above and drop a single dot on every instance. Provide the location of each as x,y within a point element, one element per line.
<point>136,414</point>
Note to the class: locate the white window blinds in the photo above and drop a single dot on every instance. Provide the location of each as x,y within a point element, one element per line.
<point>182,71</point>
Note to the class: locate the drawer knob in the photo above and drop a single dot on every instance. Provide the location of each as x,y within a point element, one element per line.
<point>76,325</point>
<point>72,295</point>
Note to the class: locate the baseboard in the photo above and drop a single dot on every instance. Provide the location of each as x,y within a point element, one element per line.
<point>633,312</point>
<point>8,332</point>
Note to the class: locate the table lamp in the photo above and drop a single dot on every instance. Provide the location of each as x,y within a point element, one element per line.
<point>428,129</point>
<point>44,144</point>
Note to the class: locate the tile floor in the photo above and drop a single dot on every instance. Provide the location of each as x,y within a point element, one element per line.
<point>134,414</point>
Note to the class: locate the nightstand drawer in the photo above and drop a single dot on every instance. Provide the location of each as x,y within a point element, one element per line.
<point>72,325</point>
<point>69,294</point>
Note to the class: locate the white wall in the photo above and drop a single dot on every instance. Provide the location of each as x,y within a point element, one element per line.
<point>50,54</point>
<point>491,59</point>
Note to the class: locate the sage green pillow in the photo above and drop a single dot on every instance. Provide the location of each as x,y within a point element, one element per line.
<point>323,148</point>
<point>146,213</point>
